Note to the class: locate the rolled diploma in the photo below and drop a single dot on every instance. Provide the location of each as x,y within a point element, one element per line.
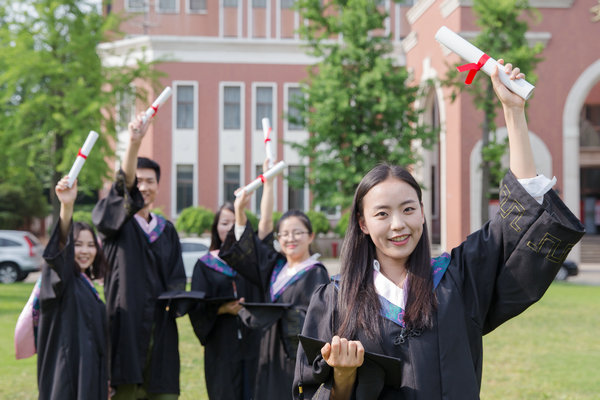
<point>160,100</point>
<point>272,172</point>
<point>79,161</point>
<point>266,125</point>
<point>472,54</point>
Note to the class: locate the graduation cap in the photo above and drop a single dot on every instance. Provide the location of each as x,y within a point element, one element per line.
<point>181,302</point>
<point>262,315</point>
<point>376,371</point>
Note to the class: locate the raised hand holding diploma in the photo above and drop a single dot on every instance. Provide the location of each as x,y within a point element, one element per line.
<point>255,184</point>
<point>478,60</point>
<point>84,151</point>
<point>153,109</point>
<point>266,125</point>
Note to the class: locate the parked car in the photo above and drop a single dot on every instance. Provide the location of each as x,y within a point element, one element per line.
<point>20,253</point>
<point>192,249</point>
<point>569,268</point>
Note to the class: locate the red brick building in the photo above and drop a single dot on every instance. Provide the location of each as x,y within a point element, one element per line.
<point>232,62</point>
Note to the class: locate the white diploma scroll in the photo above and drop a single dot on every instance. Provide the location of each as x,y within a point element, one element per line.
<point>160,100</point>
<point>269,174</point>
<point>472,54</point>
<point>81,157</point>
<point>266,125</point>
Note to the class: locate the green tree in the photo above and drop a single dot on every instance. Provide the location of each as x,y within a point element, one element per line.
<point>357,106</point>
<point>54,90</point>
<point>319,221</point>
<point>503,26</point>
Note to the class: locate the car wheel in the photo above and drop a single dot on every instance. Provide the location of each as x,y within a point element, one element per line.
<point>23,276</point>
<point>562,274</point>
<point>9,273</point>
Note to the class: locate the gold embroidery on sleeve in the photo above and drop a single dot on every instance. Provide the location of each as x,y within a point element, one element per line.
<point>510,206</point>
<point>553,245</point>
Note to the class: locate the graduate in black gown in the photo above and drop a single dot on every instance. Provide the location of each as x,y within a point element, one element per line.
<point>392,299</point>
<point>230,348</point>
<point>286,277</point>
<point>144,254</point>
<point>71,339</point>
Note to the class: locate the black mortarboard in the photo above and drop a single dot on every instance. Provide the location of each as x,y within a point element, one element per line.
<point>180,302</point>
<point>262,315</point>
<point>377,369</point>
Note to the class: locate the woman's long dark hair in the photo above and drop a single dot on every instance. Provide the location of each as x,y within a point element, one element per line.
<point>99,267</point>
<point>215,240</point>
<point>359,303</point>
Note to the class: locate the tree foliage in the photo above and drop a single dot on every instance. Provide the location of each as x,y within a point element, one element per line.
<point>319,221</point>
<point>54,90</point>
<point>357,106</point>
<point>503,26</point>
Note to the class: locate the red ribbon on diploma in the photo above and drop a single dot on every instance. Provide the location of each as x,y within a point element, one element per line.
<point>262,178</point>
<point>155,110</point>
<point>268,139</point>
<point>80,154</point>
<point>473,68</point>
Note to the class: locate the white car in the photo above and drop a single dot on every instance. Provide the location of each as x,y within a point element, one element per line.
<point>192,248</point>
<point>20,253</point>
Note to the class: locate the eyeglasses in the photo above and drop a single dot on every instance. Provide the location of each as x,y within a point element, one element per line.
<point>293,234</point>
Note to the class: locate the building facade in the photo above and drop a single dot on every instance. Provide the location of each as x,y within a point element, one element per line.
<point>232,62</point>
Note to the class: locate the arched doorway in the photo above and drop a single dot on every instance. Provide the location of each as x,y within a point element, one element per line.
<point>581,93</point>
<point>589,161</point>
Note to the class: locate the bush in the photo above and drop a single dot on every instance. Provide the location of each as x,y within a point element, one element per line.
<point>319,221</point>
<point>342,224</point>
<point>276,217</point>
<point>253,219</point>
<point>195,220</point>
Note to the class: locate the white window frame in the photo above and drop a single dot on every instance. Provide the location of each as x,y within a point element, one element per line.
<point>222,86</point>
<point>286,123</point>
<point>159,11</point>
<point>188,9</point>
<point>176,85</point>
<point>145,8</point>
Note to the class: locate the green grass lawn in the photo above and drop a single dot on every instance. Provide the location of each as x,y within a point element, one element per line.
<point>552,351</point>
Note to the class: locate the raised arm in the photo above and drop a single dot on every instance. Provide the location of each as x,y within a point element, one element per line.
<point>137,131</point>
<point>265,224</point>
<point>521,156</point>
<point>67,197</point>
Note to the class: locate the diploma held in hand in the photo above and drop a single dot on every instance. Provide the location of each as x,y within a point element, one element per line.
<point>160,100</point>
<point>266,125</point>
<point>81,157</point>
<point>255,184</point>
<point>480,61</point>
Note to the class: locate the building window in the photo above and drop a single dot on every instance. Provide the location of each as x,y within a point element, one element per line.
<point>230,3</point>
<point>296,177</point>
<point>285,4</point>
<point>294,95</point>
<point>125,108</point>
<point>197,5</point>
<point>232,107</point>
<point>166,6</point>
<point>136,5</point>
<point>185,186</point>
<point>264,105</point>
<point>231,181</point>
<point>185,107</point>
<point>259,3</point>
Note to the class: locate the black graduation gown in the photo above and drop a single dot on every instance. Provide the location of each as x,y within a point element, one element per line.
<point>71,343</point>
<point>230,348</point>
<point>256,260</point>
<point>493,276</point>
<point>139,272</point>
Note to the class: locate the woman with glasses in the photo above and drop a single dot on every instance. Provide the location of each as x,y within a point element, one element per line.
<point>288,276</point>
